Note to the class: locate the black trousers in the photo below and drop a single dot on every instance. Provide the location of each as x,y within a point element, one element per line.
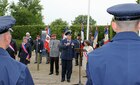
<point>47,57</point>
<point>56,61</point>
<point>66,69</point>
<point>24,61</point>
<point>76,58</point>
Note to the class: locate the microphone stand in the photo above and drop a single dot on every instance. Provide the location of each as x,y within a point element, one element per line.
<point>80,50</point>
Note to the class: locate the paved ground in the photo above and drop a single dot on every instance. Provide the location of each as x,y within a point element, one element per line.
<point>41,77</point>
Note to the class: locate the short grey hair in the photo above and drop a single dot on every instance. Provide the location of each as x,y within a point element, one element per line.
<point>127,25</point>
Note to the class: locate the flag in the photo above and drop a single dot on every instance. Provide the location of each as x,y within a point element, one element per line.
<point>106,38</point>
<point>46,43</point>
<point>82,33</point>
<point>95,41</point>
<point>48,31</point>
<point>63,35</point>
<point>47,40</point>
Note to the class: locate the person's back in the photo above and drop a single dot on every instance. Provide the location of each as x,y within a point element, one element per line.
<point>13,72</point>
<point>117,63</point>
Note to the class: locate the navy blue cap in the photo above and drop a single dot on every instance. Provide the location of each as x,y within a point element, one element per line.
<point>6,22</point>
<point>125,12</point>
<point>68,33</point>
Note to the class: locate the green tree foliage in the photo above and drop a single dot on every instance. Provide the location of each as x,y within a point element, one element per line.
<point>58,26</point>
<point>27,12</point>
<point>3,7</point>
<point>58,22</point>
<point>83,19</point>
<point>138,1</point>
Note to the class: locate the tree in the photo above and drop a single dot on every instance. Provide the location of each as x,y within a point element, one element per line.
<point>27,12</point>
<point>3,7</point>
<point>83,19</point>
<point>138,1</point>
<point>58,26</point>
<point>59,22</point>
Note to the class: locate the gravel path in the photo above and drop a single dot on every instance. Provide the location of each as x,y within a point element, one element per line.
<point>42,76</point>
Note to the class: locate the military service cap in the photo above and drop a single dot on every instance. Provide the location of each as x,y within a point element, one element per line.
<point>125,12</point>
<point>6,22</point>
<point>68,33</point>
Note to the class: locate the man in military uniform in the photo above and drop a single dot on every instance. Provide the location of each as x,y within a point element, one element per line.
<point>67,54</point>
<point>118,62</point>
<point>11,71</point>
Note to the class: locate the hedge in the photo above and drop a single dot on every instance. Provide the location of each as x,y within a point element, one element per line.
<point>20,31</point>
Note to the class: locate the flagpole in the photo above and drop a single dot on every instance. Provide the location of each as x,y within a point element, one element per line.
<point>88,20</point>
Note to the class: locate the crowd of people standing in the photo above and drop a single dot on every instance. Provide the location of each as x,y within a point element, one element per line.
<point>55,50</point>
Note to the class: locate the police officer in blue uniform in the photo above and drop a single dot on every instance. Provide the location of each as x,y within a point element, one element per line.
<point>11,71</point>
<point>67,54</point>
<point>118,62</point>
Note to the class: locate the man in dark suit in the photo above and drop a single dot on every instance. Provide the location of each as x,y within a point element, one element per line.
<point>67,54</point>
<point>38,46</point>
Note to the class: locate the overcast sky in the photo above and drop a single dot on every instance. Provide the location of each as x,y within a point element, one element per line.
<point>69,9</point>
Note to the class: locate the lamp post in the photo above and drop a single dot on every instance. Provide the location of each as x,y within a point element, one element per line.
<point>88,20</point>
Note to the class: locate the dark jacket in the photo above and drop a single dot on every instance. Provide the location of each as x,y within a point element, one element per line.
<point>38,46</point>
<point>67,52</point>
<point>13,49</point>
<point>22,53</point>
<point>30,41</point>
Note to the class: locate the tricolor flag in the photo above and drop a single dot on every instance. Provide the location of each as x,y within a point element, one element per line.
<point>48,31</point>
<point>82,33</point>
<point>106,38</point>
<point>47,40</point>
<point>95,41</point>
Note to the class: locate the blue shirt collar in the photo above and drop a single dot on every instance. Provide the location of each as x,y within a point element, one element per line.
<point>126,36</point>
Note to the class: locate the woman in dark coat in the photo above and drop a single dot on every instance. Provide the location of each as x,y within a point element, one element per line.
<point>25,51</point>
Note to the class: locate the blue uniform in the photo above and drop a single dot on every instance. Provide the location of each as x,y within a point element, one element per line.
<point>13,72</point>
<point>67,55</point>
<point>116,63</point>
<point>68,52</point>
